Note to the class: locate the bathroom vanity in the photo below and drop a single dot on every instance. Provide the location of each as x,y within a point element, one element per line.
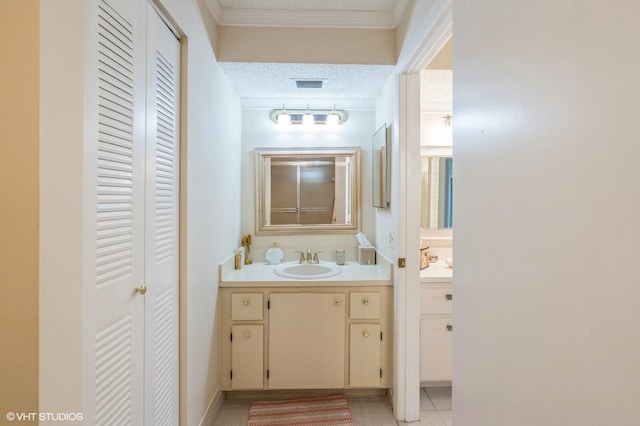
<point>289,333</point>
<point>436,327</point>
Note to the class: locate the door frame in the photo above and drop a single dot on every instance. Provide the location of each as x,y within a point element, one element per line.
<point>428,31</point>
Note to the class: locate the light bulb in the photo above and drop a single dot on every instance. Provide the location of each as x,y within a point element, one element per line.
<point>284,119</point>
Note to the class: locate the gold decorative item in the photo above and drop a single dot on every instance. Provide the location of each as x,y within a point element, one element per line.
<point>246,243</point>
<point>424,257</point>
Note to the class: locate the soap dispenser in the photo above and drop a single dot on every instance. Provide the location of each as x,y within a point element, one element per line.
<point>274,255</point>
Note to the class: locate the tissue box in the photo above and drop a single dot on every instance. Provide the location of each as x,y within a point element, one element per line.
<point>367,255</point>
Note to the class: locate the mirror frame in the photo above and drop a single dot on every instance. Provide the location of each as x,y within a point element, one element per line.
<point>261,154</point>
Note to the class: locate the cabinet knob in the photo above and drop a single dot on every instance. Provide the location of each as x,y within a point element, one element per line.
<point>142,289</point>
<point>247,334</point>
<point>449,296</point>
<point>245,302</point>
<point>365,333</point>
<point>337,302</point>
<point>365,301</point>
<point>449,327</point>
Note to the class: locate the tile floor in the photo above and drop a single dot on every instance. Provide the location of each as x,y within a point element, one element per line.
<point>435,410</point>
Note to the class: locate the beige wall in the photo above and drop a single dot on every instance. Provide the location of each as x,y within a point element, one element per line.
<point>546,221</point>
<point>19,41</point>
<point>306,45</point>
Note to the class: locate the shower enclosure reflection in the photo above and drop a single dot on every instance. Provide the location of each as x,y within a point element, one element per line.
<point>436,192</point>
<point>307,190</point>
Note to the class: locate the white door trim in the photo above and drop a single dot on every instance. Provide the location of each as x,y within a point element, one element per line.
<point>429,31</point>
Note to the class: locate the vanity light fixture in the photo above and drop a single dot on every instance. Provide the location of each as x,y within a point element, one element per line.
<point>447,119</point>
<point>308,117</point>
<point>333,119</point>
<point>282,117</point>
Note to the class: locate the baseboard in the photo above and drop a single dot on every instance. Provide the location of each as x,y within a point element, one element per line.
<point>213,409</point>
<point>300,393</point>
<point>436,384</point>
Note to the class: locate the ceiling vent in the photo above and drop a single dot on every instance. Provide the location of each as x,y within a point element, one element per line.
<point>311,83</point>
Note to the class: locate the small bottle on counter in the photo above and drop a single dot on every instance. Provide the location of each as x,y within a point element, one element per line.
<point>238,261</point>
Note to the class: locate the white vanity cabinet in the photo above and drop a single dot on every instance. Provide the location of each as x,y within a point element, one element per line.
<point>302,336</point>
<point>436,327</point>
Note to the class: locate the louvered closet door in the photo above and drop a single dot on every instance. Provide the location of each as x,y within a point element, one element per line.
<point>114,181</point>
<point>161,235</point>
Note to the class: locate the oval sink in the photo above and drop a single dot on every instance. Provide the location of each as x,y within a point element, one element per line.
<point>306,271</point>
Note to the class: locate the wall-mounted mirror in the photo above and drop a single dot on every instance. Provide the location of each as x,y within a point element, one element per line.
<point>312,190</point>
<point>436,174</point>
<point>381,150</point>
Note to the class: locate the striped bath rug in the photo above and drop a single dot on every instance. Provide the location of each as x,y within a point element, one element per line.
<point>327,410</point>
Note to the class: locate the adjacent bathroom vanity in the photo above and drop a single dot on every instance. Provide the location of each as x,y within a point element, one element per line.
<point>436,308</point>
<point>288,333</point>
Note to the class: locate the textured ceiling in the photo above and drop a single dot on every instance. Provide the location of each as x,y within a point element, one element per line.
<point>268,83</point>
<point>436,90</point>
<point>353,84</point>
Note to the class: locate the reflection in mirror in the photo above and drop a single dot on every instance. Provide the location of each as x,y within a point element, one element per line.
<point>380,162</point>
<point>436,192</point>
<point>307,190</point>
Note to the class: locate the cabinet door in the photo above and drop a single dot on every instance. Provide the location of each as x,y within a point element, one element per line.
<point>161,210</point>
<point>306,340</point>
<point>435,349</point>
<point>247,354</point>
<point>364,355</point>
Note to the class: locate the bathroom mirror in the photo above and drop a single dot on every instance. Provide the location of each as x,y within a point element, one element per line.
<point>312,190</point>
<point>436,187</point>
<point>380,162</point>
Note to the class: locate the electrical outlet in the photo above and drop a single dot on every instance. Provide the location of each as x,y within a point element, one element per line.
<point>392,240</point>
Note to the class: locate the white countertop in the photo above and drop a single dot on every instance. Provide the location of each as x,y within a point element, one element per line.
<point>437,272</point>
<point>352,273</point>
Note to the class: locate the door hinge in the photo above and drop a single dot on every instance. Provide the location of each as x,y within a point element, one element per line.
<point>381,373</point>
<point>267,373</point>
<point>401,262</point>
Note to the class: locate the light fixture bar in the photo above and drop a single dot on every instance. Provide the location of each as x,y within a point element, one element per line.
<point>320,116</point>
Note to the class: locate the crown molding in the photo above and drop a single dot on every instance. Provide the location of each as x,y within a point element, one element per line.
<point>271,103</point>
<point>307,18</point>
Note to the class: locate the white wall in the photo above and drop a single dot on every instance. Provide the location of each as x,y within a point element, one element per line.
<point>212,204</point>
<point>546,134</point>
<point>386,218</point>
<point>258,131</point>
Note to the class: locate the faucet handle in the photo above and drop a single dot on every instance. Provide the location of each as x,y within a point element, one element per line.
<point>315,257</point>
<point>301,256</point>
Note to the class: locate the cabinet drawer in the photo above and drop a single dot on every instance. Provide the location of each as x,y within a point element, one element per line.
<point>436,301</point>
<point>364,305</point>
<point>246,306</point>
